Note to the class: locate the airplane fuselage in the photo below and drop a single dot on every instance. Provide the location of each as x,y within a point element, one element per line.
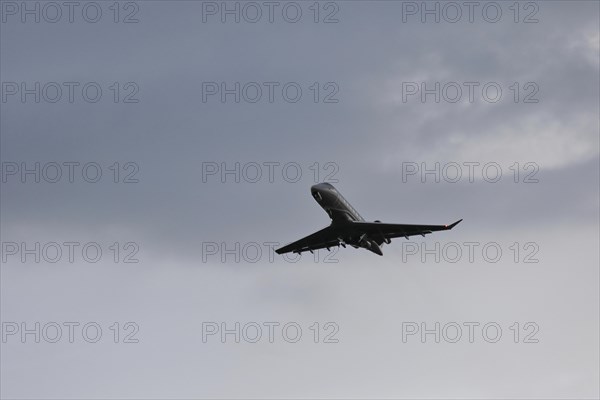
<point>341,212</point>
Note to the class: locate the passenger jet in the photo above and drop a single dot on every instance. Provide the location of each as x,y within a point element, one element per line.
<point>348,227</point>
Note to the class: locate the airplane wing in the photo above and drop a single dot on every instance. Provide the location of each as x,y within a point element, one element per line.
<point>326,237</point>
<point>378,230</point>
<point>329,237</point>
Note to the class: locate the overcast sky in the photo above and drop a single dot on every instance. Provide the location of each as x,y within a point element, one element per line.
<point>208,133</point>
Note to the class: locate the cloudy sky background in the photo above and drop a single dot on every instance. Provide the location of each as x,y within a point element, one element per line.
<point>368,135</point>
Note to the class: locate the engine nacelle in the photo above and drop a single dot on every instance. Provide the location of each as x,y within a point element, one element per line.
<point>362,240</point>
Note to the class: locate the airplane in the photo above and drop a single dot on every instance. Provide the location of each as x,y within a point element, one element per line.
<point>349,228</point>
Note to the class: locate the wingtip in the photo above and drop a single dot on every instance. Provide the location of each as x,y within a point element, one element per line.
<point>454,224</point>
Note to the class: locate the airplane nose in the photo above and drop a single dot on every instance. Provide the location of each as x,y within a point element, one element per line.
<point>316,193</point>
<point>314,189</point>
<point>321,186</point>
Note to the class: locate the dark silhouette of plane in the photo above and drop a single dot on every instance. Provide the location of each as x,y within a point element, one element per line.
<point>348,227</point>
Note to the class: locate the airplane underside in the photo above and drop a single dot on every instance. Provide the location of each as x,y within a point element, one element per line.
<point>349,228</point>
<point>363,242</point>
<point>368,244</point>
